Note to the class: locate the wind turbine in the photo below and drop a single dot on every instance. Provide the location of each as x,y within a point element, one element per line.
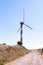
<point>21,28</point>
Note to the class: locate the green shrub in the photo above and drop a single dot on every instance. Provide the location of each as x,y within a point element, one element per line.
<point>1,63</point>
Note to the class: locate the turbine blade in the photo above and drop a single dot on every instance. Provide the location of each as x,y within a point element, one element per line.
<point>18,29</point>
<point>28,26</point>
<point>23,14</point>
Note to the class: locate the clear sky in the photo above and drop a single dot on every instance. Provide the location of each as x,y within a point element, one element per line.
<point>11,14</point>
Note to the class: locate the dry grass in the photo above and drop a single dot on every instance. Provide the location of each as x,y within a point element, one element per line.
<point>10,53</point>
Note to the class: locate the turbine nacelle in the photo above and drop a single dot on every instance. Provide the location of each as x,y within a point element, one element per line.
<point>21,23</point>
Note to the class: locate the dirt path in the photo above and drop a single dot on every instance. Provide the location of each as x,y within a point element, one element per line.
<point>33,58</point>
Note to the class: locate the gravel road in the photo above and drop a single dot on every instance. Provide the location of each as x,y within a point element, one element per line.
<point>33,58</point>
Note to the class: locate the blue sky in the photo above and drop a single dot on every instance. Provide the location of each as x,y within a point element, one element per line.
<point>11,14</point>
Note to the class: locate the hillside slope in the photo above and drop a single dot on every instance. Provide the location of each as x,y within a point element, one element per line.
<point>10,53</point>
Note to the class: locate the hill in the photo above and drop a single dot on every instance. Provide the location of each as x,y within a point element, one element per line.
<point>10,53</point>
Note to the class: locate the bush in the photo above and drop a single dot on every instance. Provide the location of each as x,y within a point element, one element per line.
<point>19,43</point>
<point>4,43</point>
<point>1,63</point>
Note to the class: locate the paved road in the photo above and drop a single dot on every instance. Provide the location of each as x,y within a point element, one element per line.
<point>33,58</point>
